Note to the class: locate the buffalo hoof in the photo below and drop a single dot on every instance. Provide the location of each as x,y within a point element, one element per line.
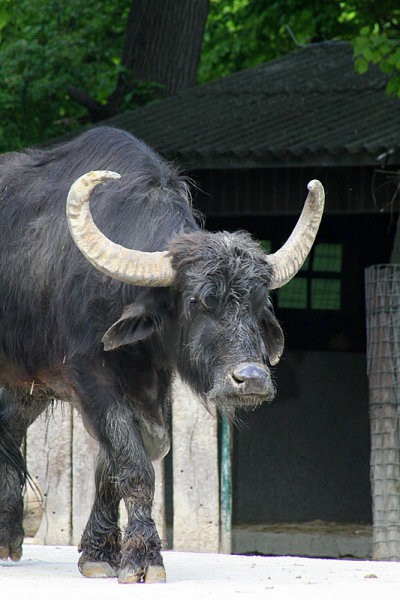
<point>153,574</point>
<point>13,553</point>
<point>91,568</point>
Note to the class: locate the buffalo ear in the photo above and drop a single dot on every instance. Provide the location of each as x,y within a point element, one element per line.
<point>134,325</point>
<point>272,336</point>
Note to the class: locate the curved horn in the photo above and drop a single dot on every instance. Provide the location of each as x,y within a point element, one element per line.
<point>131,266</point>
<point>287,261</point>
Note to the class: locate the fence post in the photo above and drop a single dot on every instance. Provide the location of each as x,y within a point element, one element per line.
<point>226,486</point>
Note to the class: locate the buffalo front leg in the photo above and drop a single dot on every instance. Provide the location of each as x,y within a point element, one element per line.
<point>124,472</point>
<point>100,542</point>
<point>141,559</point>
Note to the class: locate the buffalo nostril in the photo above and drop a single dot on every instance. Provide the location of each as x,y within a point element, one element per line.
<point>250,374</point>
<point>238,377</point>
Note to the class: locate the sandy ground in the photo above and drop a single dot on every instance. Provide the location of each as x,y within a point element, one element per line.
<point>50,572</point>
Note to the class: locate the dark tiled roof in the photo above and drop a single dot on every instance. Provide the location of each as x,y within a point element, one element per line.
<point>306,108</point>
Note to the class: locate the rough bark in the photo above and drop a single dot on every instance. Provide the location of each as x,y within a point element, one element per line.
<point>162,47</point>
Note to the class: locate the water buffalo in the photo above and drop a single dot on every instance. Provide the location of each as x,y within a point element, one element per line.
<point>103,314</point>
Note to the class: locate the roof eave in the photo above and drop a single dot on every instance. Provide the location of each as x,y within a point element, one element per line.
<point>285,160</point>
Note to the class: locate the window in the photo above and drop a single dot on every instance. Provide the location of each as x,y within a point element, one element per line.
<point>318,285</point>
<point>325,294</point>
<point>293,294</point>
<point>328,257</point>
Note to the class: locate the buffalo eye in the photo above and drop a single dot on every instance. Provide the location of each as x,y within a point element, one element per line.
<point>204,305</point>
<point>193,304</point>
<point>211,303</point>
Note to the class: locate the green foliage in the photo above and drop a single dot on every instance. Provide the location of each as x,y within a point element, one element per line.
<point>244,33</point>
<point>377,38</point>
<point>377,41</point>
<point>48,45</point>
<point>45,46</point>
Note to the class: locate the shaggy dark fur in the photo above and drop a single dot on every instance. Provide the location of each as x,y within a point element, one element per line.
<point>109,347</point>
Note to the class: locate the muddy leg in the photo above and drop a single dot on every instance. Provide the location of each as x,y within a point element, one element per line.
<point>100,543</point>
<point>141,547</point>
<point>125,473</point>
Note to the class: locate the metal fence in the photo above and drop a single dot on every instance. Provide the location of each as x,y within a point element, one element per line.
<point>382,285</point>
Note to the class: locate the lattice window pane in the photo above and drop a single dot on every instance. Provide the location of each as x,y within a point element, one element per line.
<point>294,294</point>
<point>325,294</point>
<point>328,257</point>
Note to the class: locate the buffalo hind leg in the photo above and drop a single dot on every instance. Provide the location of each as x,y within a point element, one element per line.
<point>124,472</point>
<point>15,417</point>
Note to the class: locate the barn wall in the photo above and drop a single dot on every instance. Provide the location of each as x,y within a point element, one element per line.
<point>306,456</point>
<point>281,191</point>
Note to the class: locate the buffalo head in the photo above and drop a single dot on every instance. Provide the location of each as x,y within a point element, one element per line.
<point>221,329</point>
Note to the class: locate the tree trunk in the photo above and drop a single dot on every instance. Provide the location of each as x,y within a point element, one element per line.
<point>163,41</point>
<point>162,47</point>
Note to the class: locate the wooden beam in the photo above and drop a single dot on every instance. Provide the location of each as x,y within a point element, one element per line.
<point>195,474</point>
<point>49,463</point>
<point>84,454</point>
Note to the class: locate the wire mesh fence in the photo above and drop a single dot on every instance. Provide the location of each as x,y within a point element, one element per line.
<point>382,290</point>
